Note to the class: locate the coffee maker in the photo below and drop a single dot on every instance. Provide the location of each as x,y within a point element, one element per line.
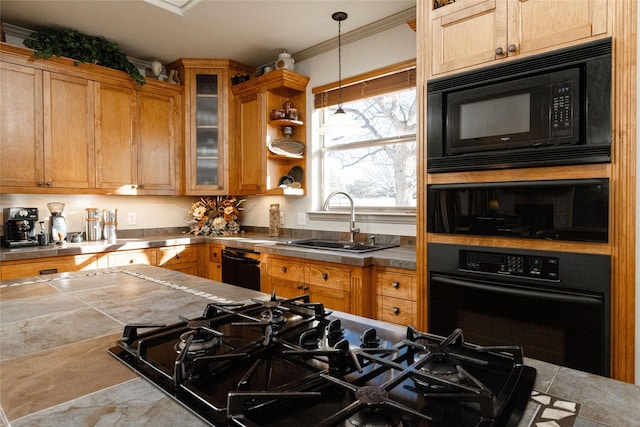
<point>20,227</point>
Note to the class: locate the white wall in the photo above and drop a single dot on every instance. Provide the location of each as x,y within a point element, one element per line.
<point>389,47</point>
<point>151,211</point>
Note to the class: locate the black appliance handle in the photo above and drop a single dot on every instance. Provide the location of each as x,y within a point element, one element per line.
<point>240,255</point>
<point>551,295</point>
<point>517,184</point>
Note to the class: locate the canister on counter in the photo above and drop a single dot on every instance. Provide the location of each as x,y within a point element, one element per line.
<point>93,228</point>
<point>110,221</point>
<point>274,220</point>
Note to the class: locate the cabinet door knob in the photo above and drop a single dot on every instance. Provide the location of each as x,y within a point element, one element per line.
<point>40,183</point>
<point>396,310</point>
<point>395,284</point>
<point>325,276</point>
<point>306,288</point>
<point>512,48</point>
<point>499,51</point>
<point>178,256</point>
<point>284,269</point>
<point>300,287</point>
<point>141,186</point>
<point>48,184</point>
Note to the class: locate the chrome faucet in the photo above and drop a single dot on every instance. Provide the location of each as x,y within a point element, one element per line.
<point>352,227</point>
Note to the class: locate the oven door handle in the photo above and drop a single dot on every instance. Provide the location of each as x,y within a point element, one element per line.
<point>242,259</point>
<point>550,295</point>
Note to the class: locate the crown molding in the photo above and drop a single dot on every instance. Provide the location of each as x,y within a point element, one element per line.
<point>400,18</point>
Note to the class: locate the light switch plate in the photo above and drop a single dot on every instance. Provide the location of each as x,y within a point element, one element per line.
<point>301,218</point>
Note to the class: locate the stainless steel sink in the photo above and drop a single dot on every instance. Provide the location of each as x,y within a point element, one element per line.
<point>337,245</point>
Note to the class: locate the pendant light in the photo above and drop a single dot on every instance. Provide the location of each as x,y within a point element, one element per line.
<point>340,123</point>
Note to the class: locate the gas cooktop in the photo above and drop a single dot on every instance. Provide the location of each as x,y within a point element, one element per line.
<point>290,362</point>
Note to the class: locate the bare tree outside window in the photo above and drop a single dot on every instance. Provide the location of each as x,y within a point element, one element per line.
<point>379,168</point>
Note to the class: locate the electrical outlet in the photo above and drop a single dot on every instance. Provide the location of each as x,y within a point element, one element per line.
<point>301,218</point>
<point>131,218</point>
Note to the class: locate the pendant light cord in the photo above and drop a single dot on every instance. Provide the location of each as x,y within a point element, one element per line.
<point>339,16</point>
<point>339,65</point>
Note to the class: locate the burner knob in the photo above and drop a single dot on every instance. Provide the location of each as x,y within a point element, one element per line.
<point>369,339</point>
<point>309,340</point>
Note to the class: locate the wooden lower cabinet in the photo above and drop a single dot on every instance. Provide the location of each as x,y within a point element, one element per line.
<point>338,286</point>
<point>395,295</point>
<point>184,258</point>
<point>213,261</point>
<point>51,265</point>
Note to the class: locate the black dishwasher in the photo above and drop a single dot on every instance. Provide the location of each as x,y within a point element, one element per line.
<point>241,267</point>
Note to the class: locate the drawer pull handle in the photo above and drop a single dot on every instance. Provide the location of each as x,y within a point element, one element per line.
<point>325,276</point>
<point>49,271</point>
<point>284,269</point>
<point>395,284</point>
<point>396,310</point>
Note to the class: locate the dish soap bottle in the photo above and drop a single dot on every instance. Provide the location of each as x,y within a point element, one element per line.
<point>274,220</point>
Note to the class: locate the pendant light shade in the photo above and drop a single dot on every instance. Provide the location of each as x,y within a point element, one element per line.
<point>340,123</point>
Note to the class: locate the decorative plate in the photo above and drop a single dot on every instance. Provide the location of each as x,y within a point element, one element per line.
<point>286,147</point>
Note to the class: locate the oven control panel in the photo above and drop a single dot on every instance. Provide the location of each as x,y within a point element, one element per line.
<point>530,266</point>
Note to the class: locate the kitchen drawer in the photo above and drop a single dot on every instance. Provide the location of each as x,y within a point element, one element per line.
<point>285,269</point>
<point>188,268</point>
<point>396,310</point>
<point>176,255</point>
<point>396,285</point>
<point>18,269</point>
<point>147,256</point>
<point>328,276</point>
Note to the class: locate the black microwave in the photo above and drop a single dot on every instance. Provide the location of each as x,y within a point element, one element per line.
<point>549,109</point>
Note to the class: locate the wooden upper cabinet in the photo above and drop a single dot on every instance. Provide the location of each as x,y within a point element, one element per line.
<point>85,129</point>
<point>136,136</point>
<point>208,123</point>
<point>260,169</point>
<point>47,124</point>
<point>476,32</point>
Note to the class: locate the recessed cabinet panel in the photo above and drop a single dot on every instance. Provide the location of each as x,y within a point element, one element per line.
<point>115,109</point>
<point>20,126</point>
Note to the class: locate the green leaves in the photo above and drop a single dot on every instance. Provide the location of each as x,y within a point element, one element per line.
<point>83,48</point>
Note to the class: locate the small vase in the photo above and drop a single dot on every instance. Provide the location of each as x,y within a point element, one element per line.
<point>156,68</point>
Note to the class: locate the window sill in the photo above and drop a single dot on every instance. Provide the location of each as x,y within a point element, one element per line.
<point>398,217</point>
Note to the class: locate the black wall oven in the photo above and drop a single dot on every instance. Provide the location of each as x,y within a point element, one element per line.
<point>569,209</point>
<point>556,305</point>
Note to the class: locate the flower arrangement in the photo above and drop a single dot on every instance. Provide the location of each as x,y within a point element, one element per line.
<point>218,215</point>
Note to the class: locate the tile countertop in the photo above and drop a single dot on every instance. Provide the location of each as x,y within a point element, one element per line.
<point>400,257</point>
<point>55,369</point>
